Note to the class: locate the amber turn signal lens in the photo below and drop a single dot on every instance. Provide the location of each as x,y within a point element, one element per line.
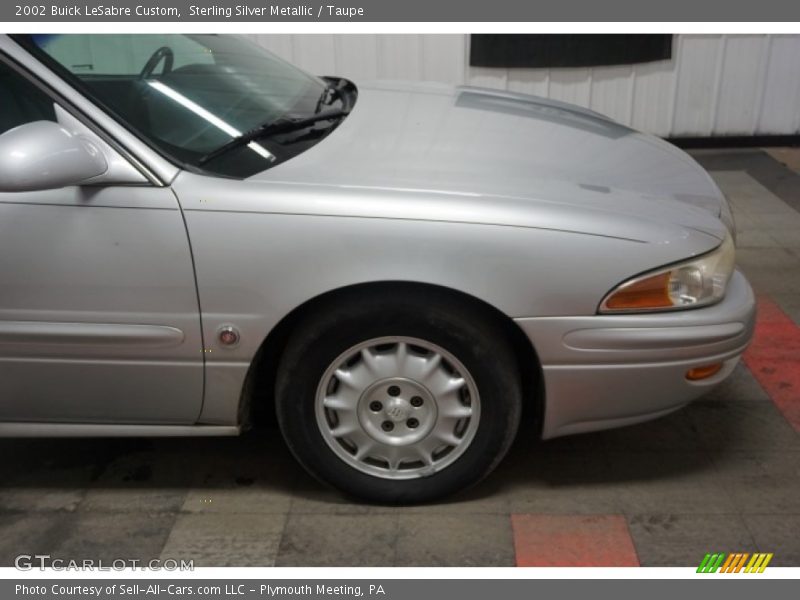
<point>693,283</point>
<point>649,293</point>
<point>703,372</point>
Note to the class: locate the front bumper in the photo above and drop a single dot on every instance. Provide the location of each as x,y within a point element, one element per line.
<point>605,371</point>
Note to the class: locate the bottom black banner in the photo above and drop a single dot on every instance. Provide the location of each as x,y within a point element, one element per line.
<point>396,589</point>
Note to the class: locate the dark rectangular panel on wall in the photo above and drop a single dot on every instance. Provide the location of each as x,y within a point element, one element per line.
<point>566,50</point>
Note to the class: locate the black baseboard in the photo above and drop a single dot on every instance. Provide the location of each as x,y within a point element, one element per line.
<point>735,141</point>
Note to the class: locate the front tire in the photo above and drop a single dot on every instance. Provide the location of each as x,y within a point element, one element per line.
<point>399,399</point>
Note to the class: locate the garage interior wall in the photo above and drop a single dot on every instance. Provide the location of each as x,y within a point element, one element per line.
<point>714,85</point>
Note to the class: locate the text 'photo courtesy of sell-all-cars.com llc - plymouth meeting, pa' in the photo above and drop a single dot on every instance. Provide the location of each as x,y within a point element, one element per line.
<point>195,229</point>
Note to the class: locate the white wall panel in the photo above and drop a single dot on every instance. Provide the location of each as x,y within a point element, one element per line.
<point>493,78</point>
<point>654,87</point>
<point>741,84</point>
<point>529,81</point>
<point>612,92</point>
<point>443,58</point>
<point>780,105</point>
<point>400,57</point>
<point>571,85</point>
<point>698,72</point>
<point>357,57</point>
<point>713,85</point>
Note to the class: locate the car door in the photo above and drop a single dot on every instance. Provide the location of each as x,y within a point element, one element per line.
<point>99,315</point>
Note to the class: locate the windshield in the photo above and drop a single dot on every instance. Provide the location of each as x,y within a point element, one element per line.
<point>189,95</point>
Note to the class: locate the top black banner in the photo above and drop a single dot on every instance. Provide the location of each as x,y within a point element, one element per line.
<point>473,11</point>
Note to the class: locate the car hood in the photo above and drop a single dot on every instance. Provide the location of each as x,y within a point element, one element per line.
<point>517,154</point>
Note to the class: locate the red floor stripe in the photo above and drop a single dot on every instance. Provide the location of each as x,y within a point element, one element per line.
<point>774,359</point>
<point>573,541</point>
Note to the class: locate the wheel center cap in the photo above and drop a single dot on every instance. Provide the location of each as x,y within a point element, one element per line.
<point>397,410</point>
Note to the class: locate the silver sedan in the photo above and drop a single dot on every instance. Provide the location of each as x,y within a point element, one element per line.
<point>191,229</point>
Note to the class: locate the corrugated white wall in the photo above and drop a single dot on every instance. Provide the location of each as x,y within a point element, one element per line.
<point>713,85</point>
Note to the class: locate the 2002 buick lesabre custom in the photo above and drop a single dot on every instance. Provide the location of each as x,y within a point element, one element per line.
<point>191,228</point>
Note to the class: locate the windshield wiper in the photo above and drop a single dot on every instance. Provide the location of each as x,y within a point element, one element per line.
<point>272,128</point>
<point>333,91</point>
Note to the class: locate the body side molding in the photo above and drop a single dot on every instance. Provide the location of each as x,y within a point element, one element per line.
<point>111,334</point>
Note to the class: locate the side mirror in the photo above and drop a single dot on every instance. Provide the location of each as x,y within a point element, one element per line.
<point>42,155</point>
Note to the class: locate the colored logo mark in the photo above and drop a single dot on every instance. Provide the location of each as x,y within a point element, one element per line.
<point>735,563</point>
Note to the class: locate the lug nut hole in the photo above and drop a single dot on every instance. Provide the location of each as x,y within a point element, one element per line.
<point>394,390</point>
<point>387,425</point>
<point>375,406</point>
<point>412,423</point>
<point>416,401</point>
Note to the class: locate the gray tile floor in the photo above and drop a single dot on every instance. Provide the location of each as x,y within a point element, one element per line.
<point>722,474</point>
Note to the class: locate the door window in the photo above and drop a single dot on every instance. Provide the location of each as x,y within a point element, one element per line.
<point>21,101</point>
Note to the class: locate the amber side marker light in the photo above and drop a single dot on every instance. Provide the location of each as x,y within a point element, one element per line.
<point>703,372</point>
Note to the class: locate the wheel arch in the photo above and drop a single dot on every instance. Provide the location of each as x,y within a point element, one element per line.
<point>257,395</point>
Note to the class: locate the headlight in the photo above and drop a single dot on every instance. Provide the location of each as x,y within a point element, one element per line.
<point>726,216</point>
<point>696,282</point>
